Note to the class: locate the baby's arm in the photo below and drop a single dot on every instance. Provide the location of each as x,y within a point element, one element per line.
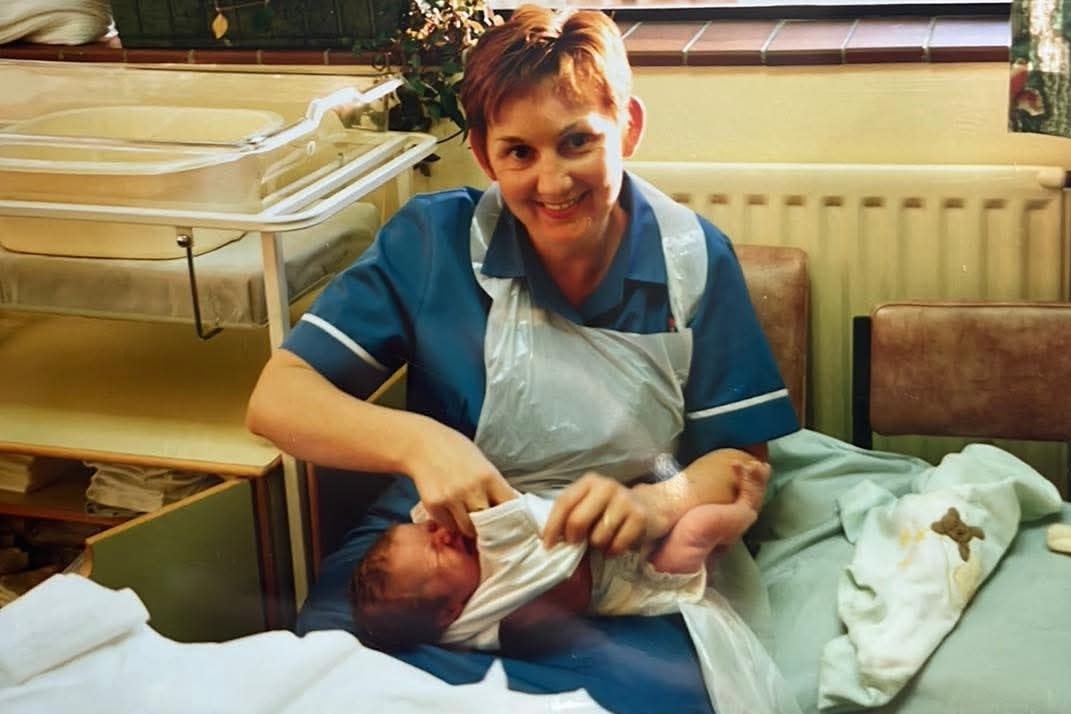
<point>708,525</point>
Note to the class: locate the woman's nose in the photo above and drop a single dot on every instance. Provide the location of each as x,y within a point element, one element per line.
<point>554,179</point>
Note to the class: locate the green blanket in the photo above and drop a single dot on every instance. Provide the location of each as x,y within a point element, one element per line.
<point>1009,651</point>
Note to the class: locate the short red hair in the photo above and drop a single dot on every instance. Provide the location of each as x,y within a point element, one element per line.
<point>581,51</point>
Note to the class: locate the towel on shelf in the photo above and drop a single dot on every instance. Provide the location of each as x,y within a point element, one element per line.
<point>23,473</point>
<point>142,489</point>
<point>55,22</point>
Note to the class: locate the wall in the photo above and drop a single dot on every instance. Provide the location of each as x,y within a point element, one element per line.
<point>887,113</point>
<point>860,114</point>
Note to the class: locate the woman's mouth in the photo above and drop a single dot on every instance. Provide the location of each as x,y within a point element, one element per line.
<point>560,209</point>
<point>563,205</point>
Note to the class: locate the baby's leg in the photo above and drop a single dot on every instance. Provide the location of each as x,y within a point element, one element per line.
<point>709,525</point>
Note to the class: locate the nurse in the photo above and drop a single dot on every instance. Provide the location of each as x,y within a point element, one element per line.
<point>570,318</point>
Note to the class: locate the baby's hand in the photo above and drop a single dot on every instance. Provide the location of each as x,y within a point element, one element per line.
<point>600,510</point>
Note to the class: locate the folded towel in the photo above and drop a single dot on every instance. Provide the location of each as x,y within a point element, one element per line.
<point>142,488</point>
<point>22,473</point>
<point>46,631</point>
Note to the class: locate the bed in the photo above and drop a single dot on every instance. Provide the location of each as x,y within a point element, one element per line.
<point>1004,654</point>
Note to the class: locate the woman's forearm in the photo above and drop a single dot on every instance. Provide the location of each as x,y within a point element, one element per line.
<point>303,414</point>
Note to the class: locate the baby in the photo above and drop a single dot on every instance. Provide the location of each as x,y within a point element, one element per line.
<point>421,582</point>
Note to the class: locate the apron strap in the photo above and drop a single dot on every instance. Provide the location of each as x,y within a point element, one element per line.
<point>684,247</point>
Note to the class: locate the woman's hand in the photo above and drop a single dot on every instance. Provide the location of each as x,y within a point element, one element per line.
<point>454,478</point>
<point>600,510</point>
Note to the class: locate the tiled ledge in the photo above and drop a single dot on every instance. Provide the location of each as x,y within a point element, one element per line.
<point>669,44</point>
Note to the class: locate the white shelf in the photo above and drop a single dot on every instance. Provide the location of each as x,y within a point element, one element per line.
<point>130,392</point>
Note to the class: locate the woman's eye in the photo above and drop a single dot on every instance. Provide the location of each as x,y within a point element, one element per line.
<point>519,152</point>
<point>578,141</point>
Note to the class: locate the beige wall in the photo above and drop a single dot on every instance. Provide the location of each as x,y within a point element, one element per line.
<point>891,113</point>
<point>877,114</point>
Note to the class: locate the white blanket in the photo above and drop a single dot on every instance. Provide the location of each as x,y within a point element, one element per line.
<point>72,644</point>
<point>919,559</point>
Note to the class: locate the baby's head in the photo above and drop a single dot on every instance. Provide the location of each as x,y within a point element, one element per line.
<point>414,581</point>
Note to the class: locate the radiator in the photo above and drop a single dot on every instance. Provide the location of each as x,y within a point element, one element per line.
<point>887,232</point>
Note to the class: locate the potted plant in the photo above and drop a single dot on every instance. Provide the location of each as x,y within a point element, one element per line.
<point>427,50</point>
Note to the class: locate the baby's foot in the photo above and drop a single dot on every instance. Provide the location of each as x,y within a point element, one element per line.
<point>752,477</point>
<point>715,478</point>
<point>718,477</point>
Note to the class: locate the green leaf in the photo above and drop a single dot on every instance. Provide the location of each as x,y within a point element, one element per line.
<point>419,87</point>
<point>451,109</point>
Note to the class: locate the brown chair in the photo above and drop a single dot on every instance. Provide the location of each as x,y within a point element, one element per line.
<point>966,369</point>
<point>777,281</point>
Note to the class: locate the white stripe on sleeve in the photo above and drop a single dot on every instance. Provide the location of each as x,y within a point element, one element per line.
<point>736,406</point>
<point>345,340</point>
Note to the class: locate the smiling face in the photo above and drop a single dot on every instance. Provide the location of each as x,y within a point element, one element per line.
<point>559,164</point>
<point>434,562</point>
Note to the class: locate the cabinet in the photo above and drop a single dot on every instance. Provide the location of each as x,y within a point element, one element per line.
<point>208,566</point>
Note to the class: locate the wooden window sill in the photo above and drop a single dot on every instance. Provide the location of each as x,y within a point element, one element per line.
<point>661,43</point>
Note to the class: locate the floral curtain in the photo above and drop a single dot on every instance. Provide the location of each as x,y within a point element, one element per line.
<point>1041,67</point>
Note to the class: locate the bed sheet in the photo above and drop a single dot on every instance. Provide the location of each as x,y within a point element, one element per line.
<point>230,279</point>
<point>1009,652</point>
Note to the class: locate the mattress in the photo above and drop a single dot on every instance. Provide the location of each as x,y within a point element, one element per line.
<point>230,279</point>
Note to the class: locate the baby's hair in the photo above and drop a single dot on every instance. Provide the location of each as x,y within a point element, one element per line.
<point>385,618</point>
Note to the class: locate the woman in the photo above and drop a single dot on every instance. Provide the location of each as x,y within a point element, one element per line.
<point>570,318</point>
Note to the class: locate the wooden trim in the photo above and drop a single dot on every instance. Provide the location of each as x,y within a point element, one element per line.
<point>386,386</point>
<point>269,575</point>
<point>312,492</point>
<point>79,454</point>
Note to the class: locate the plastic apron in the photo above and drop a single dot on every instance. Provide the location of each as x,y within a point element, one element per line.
<point>562,399</point>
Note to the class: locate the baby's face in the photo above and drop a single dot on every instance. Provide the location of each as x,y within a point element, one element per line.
<point>435,561</point>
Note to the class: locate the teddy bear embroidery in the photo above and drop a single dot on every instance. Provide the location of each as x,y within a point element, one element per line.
<point>952,525</point>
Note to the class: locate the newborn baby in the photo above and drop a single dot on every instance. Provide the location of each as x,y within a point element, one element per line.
<point>421,582</point>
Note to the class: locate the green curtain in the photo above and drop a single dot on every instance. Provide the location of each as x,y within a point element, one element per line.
<point>1040,71</point>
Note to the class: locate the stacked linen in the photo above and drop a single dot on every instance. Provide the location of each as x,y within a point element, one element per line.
<point>23,473</point>
<point>122,489</point>
<point>55,22</point>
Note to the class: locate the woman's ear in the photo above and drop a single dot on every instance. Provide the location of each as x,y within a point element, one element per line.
<point>637,114</point>
<point>478,145</point>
